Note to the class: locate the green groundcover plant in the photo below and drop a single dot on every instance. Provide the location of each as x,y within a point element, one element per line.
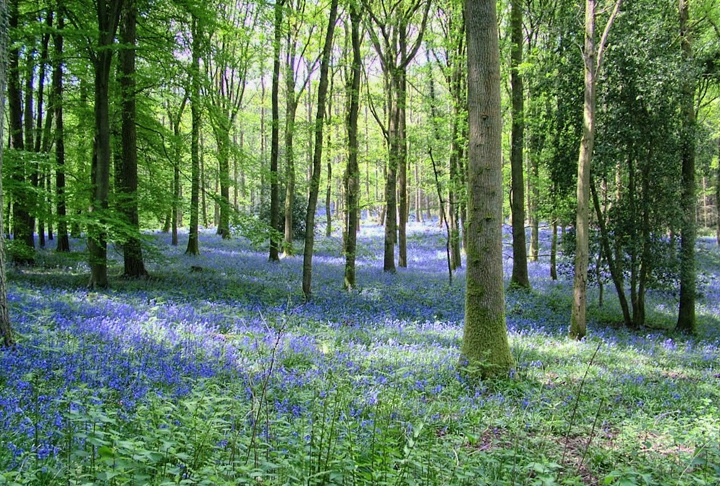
<point>225,376</point>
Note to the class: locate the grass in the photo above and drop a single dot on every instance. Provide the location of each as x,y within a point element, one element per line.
<point>225,377</point>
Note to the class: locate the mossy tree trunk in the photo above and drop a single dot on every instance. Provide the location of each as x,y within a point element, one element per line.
<point>485,350</point>
<point>352,176</point>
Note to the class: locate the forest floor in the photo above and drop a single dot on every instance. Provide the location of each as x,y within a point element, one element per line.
<point>225,376</point>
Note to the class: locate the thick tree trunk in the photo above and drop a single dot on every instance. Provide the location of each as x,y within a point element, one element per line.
<point>127,183</point>
<point>193,246</point>
<point>485,350</point>
<point>63,240</point>
<point>317,154</point>
<point>519,276</point>
<point>688,230</point>
<point>275,137</point>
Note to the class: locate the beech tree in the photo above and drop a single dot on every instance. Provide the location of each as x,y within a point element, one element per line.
<point>592,60</point>
<point>5,328</point>
<point>317,152</point>
<point>519,277</point>
<point>485,349</point>
<point>352,175</point>
<point>390,34</point>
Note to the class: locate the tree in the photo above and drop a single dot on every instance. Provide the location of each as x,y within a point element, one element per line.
<point>352,175</point>
<point>127,180</point>
<point>317,153</point>
<point>5,328</point>
<point>396,50</point>
<point>688,230</point>
<point>193,246</point>
<point>22,227</point>
<point>101,54</point>
<point>228,66</point>
<point>56,101</point>
<point>275,136</point>
<point>519,276</point>
<point>485,344</point>
<point>592,60</point>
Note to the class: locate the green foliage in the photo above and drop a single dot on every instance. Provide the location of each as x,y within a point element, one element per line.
<point>299,211</point>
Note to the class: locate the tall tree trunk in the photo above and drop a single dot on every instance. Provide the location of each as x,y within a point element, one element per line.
<point>401,148</point>
<point>63,240</point>
<point>352,176</point>
<point>290,113</point>
<point>5,327</point>
<point>688,230</point>
<point>717,197</point>
<point>553,249</point>
<point>193,246</point>
<point>275,136</point>
<point>22,232</point>
<point>519,276</point>
<point>127,183</point>
<point>317,154</point>
<point>578,322</point>
<point>108,15</point>
<point>592,60</point>
<point>485,349</point>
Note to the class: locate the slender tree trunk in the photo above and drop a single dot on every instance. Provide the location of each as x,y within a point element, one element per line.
<point>275,136</point>
<point>63,240</point>
<point>193,246</point>
<point>5,327</point>
<point>519,276</point>
<point>717,197</point>
<point>553,249</point>
<point>688,230</point>
<point>108,19</point>
<point>127,183</point>
<point>317,154</point>
<point>290,113</point>
<point>485,350</point>
<point>352,177</point>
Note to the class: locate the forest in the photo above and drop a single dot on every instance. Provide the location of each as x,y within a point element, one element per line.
<point>359,242</point>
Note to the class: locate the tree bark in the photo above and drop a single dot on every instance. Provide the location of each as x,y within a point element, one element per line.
<point>317,154</point>
<point>108,15</point>
<point>275,137</point>
<point>352,177</point>
<point>63,240</point>
<point>485,351</point>
<point>127,183</point>
<point>688,230</point>
<point>5,327</point>
<point>22,232</point>
<point>519,276</point>
<point>193,246</point>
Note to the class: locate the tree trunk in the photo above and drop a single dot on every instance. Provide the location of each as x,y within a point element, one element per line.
<point>108,19</point>
<point>485,350</point>
<point>592,59</point>
<point>290,113</point>
<point>193,246</point>
<point>275,137</point>
<point>688,230</point>
<point>519,276</point>
<point>127,183</point>
<point>22,232</point>
<point>352,177</point>
<point>63,240</point>
<point>717,198</point>
<point>553,249</point>
<point>5,327</point>
<point>317,154</point>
